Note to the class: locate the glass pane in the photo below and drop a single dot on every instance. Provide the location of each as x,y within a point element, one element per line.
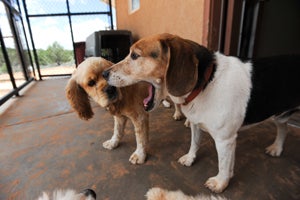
<point>24,48</point>
<point>11,49</point>
<point>14,4</point>
<point>52,39</point>
<point>46,6</point>
<point>85,25</point>
<point>15,62</point>
<point>5,84</point>
<point>88,6</point>
<point>135,5</point>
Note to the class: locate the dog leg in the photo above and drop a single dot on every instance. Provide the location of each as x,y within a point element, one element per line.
<point>166,103</point>
<point>276,148</point>
<point>141,126</point>
<point>187,123</point>
<point>119,125</point>
<point>178,115</point>
<point>188,159</point>
<point>226,155</point>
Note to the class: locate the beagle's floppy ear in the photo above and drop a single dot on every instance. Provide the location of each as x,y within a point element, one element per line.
<point>182,69</point>
<point>79,100</point>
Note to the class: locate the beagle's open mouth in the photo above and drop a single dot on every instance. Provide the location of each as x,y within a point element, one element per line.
<point>149,100</point>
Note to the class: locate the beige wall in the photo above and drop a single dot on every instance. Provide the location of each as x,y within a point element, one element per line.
<point>181,17</point>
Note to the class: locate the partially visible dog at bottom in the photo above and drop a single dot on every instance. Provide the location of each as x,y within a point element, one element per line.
<point>69,194</point>
<point>162,194</point>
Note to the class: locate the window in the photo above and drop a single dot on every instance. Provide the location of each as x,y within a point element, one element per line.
<point>134,5</point>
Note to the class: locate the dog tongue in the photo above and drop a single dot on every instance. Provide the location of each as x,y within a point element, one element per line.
<point>149,97</point>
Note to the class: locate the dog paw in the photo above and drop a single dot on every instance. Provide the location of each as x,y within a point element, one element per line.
<point>110,144</point>
<point>166,104</point>
<point>137,158</point>
<point>274,150</point>
<point>178,116</point>
<point>187,123</point>
<point>186,160</point>
<point>216,184</point>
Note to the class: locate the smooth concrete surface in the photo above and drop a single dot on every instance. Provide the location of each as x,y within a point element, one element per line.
<point>45,146</point>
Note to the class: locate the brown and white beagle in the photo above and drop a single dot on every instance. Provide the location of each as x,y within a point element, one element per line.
<point>218,94</point>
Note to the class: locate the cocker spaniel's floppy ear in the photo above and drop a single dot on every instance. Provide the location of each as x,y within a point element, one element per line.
<point>79,99</point>
<point>182,71</point>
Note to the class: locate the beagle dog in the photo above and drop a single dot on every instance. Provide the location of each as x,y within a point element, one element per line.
<point>123,103</point>
<point>218,94</point>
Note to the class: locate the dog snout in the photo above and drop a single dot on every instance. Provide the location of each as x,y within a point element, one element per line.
<point>111,92</point>
<point>105,74</point>
<point>89,193</point>
<point>110,89</point>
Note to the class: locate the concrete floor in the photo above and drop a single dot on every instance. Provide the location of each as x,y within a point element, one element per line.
<point>44,146</point>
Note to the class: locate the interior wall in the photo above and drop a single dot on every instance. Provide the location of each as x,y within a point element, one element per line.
<point>187,19</point>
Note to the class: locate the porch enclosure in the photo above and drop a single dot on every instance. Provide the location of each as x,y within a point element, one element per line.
<point>39,38</point>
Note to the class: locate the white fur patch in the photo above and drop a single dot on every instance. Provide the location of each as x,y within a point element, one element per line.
<point>161,194</point>
<point>64,195</point>
<point>225,98</point>
<point>220,110</point>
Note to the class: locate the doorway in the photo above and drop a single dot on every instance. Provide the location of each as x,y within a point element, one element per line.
<point>255,28</point>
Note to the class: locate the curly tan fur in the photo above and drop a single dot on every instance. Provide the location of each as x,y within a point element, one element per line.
<point>87,82</point>
<point>79,100</point>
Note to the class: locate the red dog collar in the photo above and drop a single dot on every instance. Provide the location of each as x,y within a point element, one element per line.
<point>196,91</point>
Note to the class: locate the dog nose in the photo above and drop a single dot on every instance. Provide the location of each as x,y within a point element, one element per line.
<point>105,74</point>
<point>110,90</point>
<point>89,193</point>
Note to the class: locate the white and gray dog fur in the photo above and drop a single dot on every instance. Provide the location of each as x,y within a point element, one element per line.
<point>68,194</point>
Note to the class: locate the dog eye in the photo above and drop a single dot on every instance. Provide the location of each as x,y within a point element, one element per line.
<point>134,56</point>
<point>91,83</point>
<point>154,54</point>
